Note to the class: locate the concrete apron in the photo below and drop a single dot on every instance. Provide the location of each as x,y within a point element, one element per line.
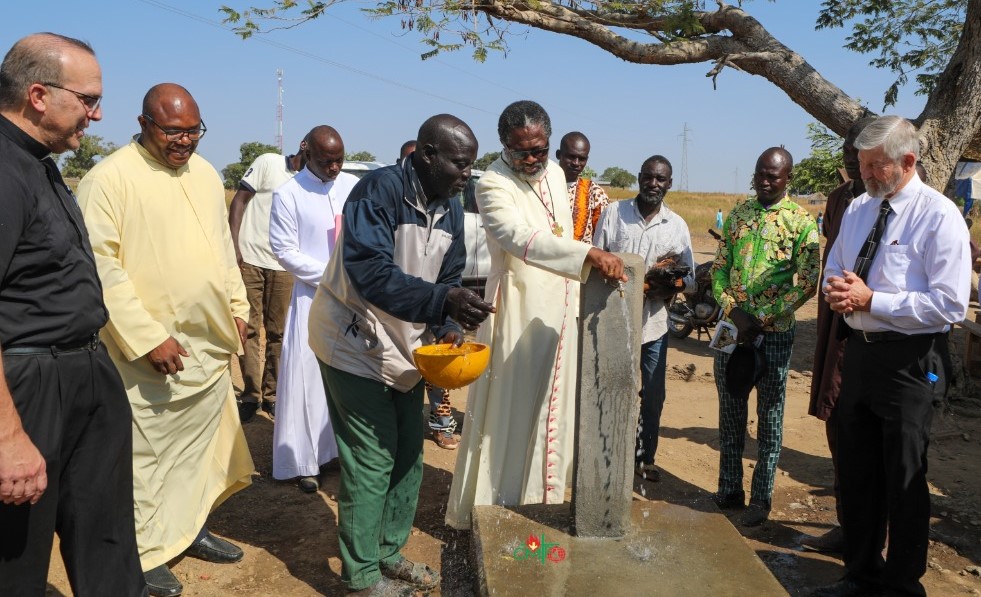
<point>669,550</point>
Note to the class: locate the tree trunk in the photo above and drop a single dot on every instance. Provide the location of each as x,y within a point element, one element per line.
<point>951,120</point>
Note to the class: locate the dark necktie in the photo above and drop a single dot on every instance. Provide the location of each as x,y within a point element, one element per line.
<point>867,254</point>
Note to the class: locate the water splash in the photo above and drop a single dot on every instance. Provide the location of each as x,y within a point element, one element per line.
<point>510,547</point>
<point>644,552</point>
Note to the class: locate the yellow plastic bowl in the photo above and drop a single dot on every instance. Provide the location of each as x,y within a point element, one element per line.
<point>451,367</point>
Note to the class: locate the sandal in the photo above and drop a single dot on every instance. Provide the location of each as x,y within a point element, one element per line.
<point>386,587</point>
<point>416,574</point>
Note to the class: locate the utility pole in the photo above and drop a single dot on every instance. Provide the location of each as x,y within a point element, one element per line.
<point>735,182</point>
<point>684,157</point>
<point>279,111</point>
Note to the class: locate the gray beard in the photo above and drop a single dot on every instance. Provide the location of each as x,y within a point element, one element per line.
<point>537,176</point>
<point>653,201</point>
<point>879,190</point>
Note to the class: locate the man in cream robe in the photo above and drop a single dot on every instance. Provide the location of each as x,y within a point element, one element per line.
<point>156,217</point>
<point>518,433</point>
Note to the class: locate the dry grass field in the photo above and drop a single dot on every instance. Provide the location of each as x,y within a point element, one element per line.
<point>698,209</point>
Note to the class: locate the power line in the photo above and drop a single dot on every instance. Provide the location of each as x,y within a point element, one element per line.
<point>436,60</point>
<point>312,56</point>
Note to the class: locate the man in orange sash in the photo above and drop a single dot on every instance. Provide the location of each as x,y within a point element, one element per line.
<point>588,199</point>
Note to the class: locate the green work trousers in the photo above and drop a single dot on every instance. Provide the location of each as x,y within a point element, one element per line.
<point>379,436</point>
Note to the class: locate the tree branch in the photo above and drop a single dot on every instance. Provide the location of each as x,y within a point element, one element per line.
<point>748,46</point>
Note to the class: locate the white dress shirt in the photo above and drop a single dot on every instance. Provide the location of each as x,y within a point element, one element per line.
<point>622,229</point>
<point>921,274</point>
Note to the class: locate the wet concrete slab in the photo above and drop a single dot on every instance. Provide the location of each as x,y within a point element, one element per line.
<point>669,550</point>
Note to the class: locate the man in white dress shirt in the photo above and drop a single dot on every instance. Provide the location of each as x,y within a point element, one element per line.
<point>302,236</point>
<point>647,227</point>
<point>898,309</point>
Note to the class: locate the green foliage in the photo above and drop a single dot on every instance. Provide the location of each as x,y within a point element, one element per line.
<point>588,172</point>
<point>458,21</point>
<point>818,172</point>
<point>618,177</point>
<point>248,152</point>
<point>908,36</point>
<point>83,159</point>
<point>486,160</point>
<point>360,156</point>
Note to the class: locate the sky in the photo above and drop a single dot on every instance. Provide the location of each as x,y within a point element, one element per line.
<point>365,78</point>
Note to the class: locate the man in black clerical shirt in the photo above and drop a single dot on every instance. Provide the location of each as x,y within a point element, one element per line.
<point>65,433</point>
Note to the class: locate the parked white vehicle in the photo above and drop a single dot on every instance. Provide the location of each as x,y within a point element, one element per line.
<point>475,239</point>
<point>478,258</point>
<point>360,169</point>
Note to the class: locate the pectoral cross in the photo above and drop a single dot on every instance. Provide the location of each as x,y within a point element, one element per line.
<point>556,229</point>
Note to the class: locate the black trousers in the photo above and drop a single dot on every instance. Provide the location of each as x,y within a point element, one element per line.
<point>884,415</point>
<point>74,408</point>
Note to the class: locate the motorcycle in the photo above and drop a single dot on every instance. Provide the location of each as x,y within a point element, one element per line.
<point>697,309</point>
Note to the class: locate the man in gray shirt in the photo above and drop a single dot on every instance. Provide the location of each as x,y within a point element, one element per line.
<point>647,227</point>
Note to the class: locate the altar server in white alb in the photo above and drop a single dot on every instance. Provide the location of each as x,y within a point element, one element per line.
<point>302,236</point>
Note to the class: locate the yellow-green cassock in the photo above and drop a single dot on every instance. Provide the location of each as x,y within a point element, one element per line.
<point>165,257</point>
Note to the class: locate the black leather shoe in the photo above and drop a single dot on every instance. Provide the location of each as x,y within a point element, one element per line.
<point>846,587</point>
<point>308,484</point>
<point>831,542</point>
<point>215,549</point>
<point>755,515</point>
<point>270,408</point>
<point>246,411</point>
<point>162,582</point>
<point>730,501</point>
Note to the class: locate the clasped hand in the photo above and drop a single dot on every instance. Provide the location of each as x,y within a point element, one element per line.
<point>466,307</point>
<point>847,293</point>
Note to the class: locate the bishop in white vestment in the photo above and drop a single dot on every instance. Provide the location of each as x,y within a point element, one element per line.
<point>518,433</point>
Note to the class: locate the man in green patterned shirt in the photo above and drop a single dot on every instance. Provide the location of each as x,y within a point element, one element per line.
<point>768,264</point>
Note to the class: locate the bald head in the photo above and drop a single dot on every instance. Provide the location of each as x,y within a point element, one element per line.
<point>443,128</point>
<point>575,137</point>
<point>168,98</point>
<point>445,151</point>
<point>51,88</point>
<point>323,136</point>
<point>38,58</point>
<point>773,171</point>
<point>170,124</point>
<point>777,155</point>
<point>573,154</point>
<point>325,152</point>
<point>407,148</point>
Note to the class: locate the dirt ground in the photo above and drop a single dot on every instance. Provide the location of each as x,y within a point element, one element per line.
<point>291,544</point>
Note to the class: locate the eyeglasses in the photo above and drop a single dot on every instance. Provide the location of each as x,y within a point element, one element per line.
<point>178,134</point>
<point>91,102</point>
<point>519,156</point>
